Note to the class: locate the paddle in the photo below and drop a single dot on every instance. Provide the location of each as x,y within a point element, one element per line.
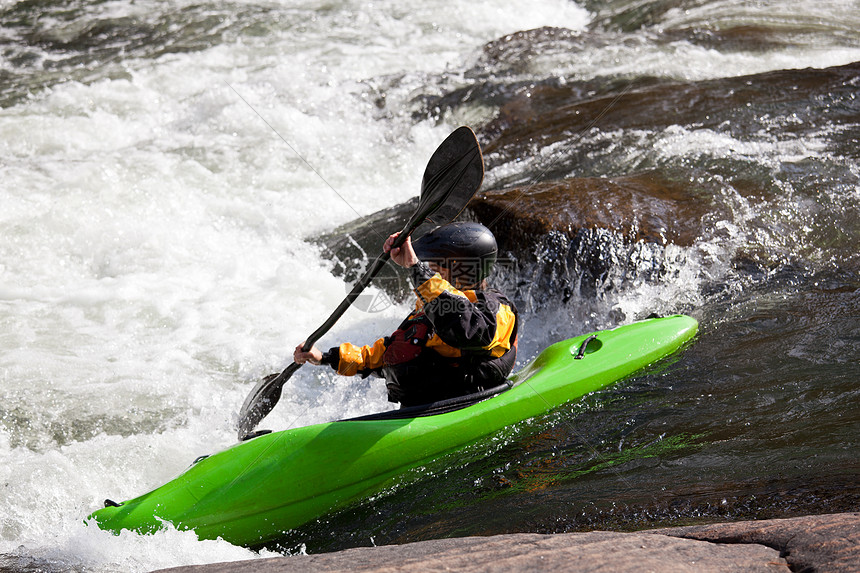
<point>452,177</point>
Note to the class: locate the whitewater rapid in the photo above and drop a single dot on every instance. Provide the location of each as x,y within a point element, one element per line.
<point>154,261</point>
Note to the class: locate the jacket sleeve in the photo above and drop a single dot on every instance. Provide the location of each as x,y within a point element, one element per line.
<point>482,320</point>
<point>349,359</point>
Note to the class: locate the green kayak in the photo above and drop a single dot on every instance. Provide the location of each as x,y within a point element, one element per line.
<point>252,492</point>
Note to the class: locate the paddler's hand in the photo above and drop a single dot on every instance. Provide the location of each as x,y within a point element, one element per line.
<point>314,356</point>
<point>403,255</point>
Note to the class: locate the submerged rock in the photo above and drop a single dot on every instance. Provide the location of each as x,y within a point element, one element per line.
<point>815,543</point>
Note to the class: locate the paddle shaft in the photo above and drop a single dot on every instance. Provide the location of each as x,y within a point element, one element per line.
<point>362,284</point>
<point>359,287</point>
<point>452,177</point>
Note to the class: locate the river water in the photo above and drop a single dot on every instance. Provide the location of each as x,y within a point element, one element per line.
<point>163,166</point>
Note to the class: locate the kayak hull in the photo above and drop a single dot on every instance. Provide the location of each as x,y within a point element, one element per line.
<point>254,491</point>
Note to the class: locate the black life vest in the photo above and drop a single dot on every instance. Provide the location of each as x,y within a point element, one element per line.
<point>416,375</point>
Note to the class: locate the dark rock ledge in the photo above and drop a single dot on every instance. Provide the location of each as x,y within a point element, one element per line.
<point>563,237</point>
<point>823,543</point>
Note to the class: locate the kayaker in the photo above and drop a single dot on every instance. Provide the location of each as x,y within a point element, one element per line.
<point>461,337</point>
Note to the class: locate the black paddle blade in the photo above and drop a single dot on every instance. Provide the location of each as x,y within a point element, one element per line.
<point>262,400</point>
<point>452,177</point>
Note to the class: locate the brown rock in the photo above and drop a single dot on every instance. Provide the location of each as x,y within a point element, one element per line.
<point>641,207</point>
<point>813,543</point>
<point>552,225</point>
<point>828,543</point>
<point>595,551</point>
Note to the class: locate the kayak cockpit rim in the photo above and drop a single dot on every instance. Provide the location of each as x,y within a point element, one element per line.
<point>434,408</point>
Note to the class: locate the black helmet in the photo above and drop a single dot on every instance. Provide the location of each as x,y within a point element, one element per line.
<point>466,249</point>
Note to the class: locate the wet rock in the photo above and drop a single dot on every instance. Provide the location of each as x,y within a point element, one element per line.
<point>817,543</point>
<point>583,237</point>
<point>813,543</point>
<point>642,207</point>
<point>577,236</point>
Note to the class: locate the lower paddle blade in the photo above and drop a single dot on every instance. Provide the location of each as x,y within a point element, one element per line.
<point>262,400</point>
<point>452,177</point>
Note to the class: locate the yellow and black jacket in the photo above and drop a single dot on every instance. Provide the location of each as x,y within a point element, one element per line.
<point>454,343</point>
